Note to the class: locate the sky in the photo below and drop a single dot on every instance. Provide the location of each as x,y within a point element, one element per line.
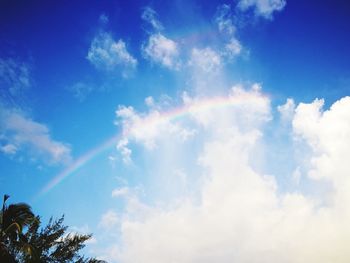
<point>181,131</point>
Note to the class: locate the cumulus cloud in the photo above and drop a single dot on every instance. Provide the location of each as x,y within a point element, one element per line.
<point>236,108</point>
<point>263,8</point>
<point>20,133</point>
<point>225,207</point>
<point>146,129</point>
<point>327,133</point>
<point>236,212</point>
<point>162,50</point>
<point>109,55</point>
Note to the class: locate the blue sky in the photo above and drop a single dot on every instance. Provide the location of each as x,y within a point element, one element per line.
<point>155,124</point>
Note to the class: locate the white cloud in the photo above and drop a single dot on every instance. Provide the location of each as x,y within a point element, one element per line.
<point>120,192</point>
<point>109,220</point>
<point>162,50</point>
<point>206,60</point>
<point>9,149</point>
<point>237,110</point>
<point>327,133</point>
<point>263,8</point>
<point>91,241</point>
<point>146,129</point>
<point>235,212</point>
<point>306,121</point>
<point>20,133</point>
<point>107,54</point>
<point>122,147</point>
<point>150,16</point>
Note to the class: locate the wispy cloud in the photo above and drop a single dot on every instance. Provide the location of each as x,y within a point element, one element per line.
<point>15,79</point>
<point>150,16</point>
<point>8,148</point>
<point>20,133</point>
<point>223,19</point>
<point>81,90</point>
<point>111,56</point>
<point>206,60</point>
<point>104,19</point>
<point>120,192</point>
<point>227,18</point>
<point>109,220</point>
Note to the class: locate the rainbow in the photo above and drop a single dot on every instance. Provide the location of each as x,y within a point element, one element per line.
<point>78,163</point>
<point>190,108</point>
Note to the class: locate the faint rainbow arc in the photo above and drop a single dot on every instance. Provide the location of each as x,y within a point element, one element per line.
<point>197,106</point>
<point>78,163</point>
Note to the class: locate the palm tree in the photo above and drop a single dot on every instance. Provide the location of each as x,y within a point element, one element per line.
<point>23,240</point>
<point>13,219</point>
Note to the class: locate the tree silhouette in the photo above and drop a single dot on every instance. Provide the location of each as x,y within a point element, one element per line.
<point>24,240</point>
<point>13,219</point>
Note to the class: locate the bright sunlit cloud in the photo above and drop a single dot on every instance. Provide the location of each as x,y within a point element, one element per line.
<point>234,211</point>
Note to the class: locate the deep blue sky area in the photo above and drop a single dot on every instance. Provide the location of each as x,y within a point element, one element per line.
<point>82,83</point>
<point>310,39</point>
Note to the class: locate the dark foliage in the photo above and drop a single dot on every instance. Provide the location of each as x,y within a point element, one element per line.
<point>23,240</point>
